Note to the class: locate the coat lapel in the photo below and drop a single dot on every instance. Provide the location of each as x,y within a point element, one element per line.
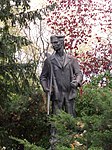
<point>55,61</point>
<point>67,60</point>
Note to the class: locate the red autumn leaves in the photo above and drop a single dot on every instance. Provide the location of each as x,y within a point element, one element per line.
<point>77,20</point>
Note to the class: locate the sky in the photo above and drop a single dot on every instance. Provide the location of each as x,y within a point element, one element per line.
<point>36,4</point>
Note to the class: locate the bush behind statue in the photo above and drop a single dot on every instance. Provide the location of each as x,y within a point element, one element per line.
<point>92,128</point>
<point>25,118</point>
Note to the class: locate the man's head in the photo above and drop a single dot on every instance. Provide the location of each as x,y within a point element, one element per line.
<point>57,42</point>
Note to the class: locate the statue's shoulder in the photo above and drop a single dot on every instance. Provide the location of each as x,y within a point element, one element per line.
<point>70,56</point>
<point>50,57</point>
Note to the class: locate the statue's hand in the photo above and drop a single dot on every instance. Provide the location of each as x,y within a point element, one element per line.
<point>74,84</point>
<point>46,90</point>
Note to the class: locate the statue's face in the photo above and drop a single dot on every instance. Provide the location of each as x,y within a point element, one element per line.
<point>56,43</point>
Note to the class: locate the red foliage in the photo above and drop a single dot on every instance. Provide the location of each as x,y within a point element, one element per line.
<point>82,21</point>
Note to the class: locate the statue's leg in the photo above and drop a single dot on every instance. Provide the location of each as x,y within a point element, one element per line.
<point>53,139</point>
<point>56,106</point>
<point>70,107</point>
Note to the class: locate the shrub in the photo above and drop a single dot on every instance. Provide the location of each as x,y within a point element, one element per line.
<point>25,118</point>
<point>91,129</point>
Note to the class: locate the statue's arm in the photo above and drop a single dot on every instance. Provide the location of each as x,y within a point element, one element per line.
<point>44,77</point>
<point>77,74</point>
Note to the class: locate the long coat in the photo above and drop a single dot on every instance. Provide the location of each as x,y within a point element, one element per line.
<point>62,76</point>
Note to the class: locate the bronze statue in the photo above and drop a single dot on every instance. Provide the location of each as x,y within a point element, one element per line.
<point>60,77</point>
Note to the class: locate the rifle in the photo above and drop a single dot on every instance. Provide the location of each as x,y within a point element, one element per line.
<point>48,102</point>
<point>50,87</point>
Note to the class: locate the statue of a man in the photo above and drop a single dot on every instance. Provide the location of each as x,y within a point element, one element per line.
<point>66,76</point>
